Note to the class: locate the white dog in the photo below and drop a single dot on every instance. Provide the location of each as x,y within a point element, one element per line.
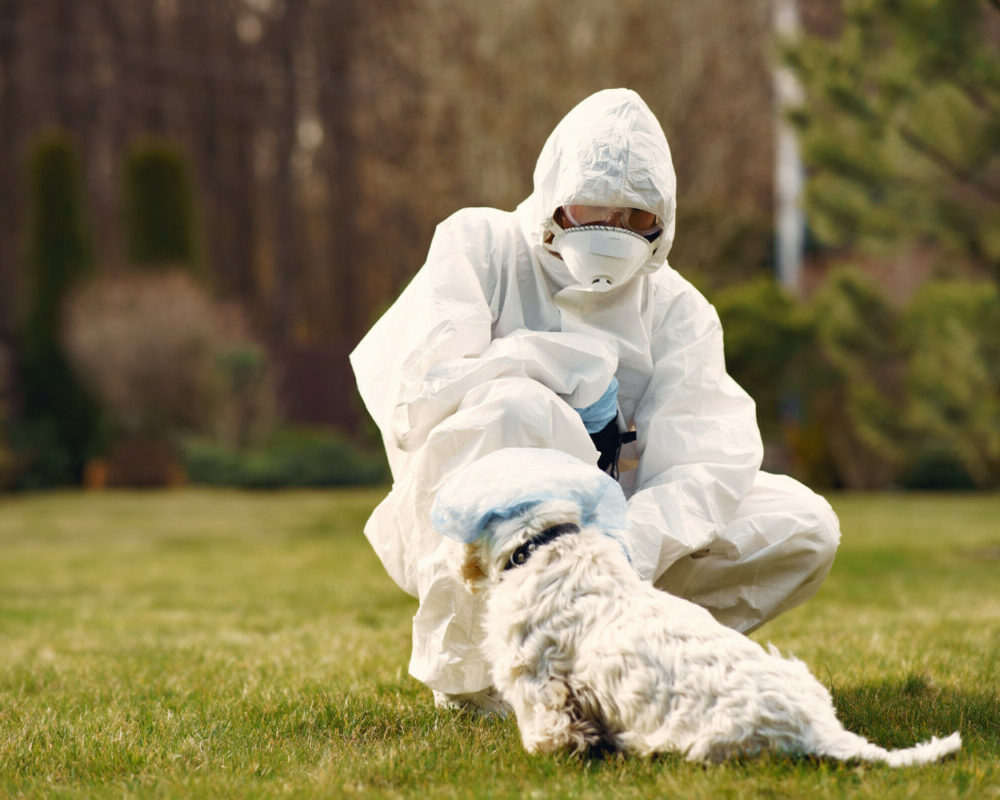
<point>591,657</point>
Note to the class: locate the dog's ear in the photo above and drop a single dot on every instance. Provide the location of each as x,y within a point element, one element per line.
<point>473,567</point>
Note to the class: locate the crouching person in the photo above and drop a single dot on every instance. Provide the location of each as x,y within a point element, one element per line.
<point>561,325</point>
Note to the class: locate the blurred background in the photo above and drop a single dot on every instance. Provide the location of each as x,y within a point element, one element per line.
<point>204,205</point>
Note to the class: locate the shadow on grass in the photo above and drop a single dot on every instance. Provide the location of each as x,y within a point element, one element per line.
<point>893,713</point>
<point>899,713</point>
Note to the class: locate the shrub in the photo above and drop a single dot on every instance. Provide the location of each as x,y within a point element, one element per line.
<point>937,468</point>
<point>6,457</point>
<point>866,396</point>
<point>144,344</point>
<point>291,457</point>
<point>766,336</point>
<point>855,387</point>
<point>167,361</point>
<point>771,351</point>
<point>59,426</point>
<point>244,403</point>
<point>952,330</point>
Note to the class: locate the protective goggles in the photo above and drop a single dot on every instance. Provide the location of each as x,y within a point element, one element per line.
<point>636,220</point>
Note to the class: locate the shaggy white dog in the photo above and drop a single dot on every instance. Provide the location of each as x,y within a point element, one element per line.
<point>591,657</point>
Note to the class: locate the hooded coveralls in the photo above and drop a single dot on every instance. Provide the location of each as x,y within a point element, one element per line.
<point>493,345</point>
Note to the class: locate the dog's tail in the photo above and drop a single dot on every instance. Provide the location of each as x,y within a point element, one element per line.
<point>851,746</point>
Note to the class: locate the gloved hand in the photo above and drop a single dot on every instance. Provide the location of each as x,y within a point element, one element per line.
<point>597,415</point>
<point>601,421</point>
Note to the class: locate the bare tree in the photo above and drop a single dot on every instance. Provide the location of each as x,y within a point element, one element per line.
<point>10,144</point>
<point>329,137</point>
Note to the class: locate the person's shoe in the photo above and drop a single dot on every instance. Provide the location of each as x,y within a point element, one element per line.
<point>487,703</point>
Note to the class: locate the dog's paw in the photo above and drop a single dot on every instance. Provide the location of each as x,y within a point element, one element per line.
<point>487,703</point>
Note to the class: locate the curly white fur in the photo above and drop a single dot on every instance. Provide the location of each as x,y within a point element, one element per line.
<point>590,657</point>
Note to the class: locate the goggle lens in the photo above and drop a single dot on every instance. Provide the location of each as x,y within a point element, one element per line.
<point>634,219</point>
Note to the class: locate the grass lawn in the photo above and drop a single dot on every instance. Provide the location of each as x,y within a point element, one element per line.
<point>226,644</point>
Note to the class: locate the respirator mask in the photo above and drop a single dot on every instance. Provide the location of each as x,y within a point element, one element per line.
<point>602,256</point>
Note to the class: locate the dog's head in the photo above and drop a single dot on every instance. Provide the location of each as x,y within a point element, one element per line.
<point>482,562</point>
<point>509,496</point>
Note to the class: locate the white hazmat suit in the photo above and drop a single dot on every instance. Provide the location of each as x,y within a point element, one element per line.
<point>493,344</point>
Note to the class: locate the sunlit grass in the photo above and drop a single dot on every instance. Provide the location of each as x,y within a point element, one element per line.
<point>226,644</point>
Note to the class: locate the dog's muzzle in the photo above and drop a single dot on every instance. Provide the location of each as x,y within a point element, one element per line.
<point>524,552</point>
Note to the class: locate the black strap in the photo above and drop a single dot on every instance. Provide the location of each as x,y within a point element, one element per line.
<point>523,553</point>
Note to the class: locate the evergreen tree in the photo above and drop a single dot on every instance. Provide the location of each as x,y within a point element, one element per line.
<point>58,428</point>
<point>900,128</point>
<point>159,207</point>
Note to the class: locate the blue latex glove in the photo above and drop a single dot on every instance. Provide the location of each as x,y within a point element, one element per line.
<point>597,415</point>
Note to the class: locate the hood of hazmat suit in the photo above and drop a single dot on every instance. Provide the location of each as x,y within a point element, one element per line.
<point>494,343</point>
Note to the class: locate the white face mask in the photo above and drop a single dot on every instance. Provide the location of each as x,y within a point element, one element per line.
<point>602,259</point>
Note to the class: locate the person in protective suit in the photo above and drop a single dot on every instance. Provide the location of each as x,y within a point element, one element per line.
<point>560,325</point>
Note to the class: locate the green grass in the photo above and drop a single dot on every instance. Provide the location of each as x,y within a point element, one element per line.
<point>226,644</point>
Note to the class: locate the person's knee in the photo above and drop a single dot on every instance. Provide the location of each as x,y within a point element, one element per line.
<point>808,557</point>
<point>525,413</point>
<point>811,524</point>
<point>511,396</point>
<point>511,412</point>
